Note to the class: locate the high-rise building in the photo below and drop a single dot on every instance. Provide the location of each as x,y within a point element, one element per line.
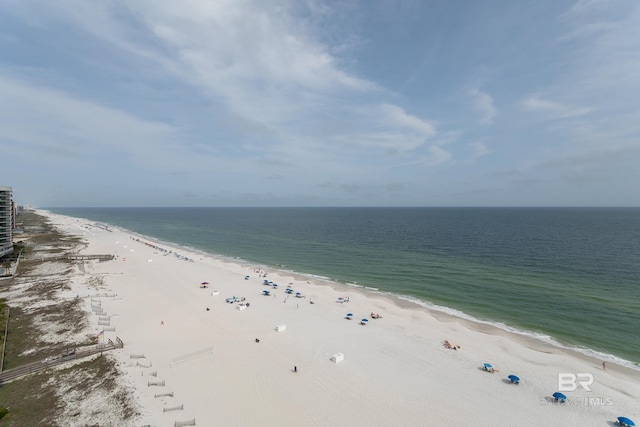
<point>6,221</point>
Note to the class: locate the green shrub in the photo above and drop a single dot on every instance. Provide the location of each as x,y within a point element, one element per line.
<point>3,412</point>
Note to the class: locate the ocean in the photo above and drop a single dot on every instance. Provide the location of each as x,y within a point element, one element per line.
<point>568,276</point>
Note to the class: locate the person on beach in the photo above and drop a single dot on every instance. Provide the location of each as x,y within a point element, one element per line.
<point>295,368</point>
<point>604,366</point>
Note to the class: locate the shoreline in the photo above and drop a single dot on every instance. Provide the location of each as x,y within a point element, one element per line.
<point>407,325</point>
<point>405,301</point>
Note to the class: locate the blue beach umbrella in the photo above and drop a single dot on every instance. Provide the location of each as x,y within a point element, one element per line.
<point>624,421</point>
<point>559,396</point>
<point>364,321</point>
<point>514,379</point>
<point>349,316</point>
<point>265,292</point>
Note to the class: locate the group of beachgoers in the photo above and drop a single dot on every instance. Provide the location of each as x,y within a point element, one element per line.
<point>151,245</point>
<point>448,345</point>
<point>163,250</point>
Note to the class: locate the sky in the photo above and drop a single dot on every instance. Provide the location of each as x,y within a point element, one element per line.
<point>320,103</point>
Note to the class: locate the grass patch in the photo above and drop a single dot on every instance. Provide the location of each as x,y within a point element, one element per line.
<point>34,400</point>
<point>30,401</point>
<point>24,339</point>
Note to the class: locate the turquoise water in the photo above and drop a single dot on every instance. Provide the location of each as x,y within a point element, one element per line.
<point>566,275</point>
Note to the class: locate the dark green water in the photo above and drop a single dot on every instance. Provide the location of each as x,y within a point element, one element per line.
<point>567,275</point>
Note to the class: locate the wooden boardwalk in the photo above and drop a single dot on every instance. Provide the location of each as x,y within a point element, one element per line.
<point>87,257</point>
<point>20,371</point>
<point>99,257</point>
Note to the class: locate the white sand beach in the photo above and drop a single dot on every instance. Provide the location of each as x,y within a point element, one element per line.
<point>202,362</point>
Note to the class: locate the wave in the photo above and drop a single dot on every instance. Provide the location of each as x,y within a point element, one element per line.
<point>528,334</point>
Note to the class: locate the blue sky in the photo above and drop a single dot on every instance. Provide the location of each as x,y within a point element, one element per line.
<point>320,103</point>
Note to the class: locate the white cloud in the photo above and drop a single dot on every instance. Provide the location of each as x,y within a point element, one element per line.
<point>396,116</point>
<point>556,109</point>
<point>483,103</point>
<point>255,57</point>
<point>257,61</point>
<point>588,31</point>
<point>53,122</point>
<point>431,156</point>
<point>479,149</point>
<point>582,7</point>
<point>437,156</point>
<point>268,98</point>
<point>388,127</point>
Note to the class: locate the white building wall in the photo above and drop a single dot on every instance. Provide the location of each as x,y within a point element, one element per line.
<point>6,221</point>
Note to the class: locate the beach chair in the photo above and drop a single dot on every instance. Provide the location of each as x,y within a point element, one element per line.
<point>625,422</point>
<point>489,368</point>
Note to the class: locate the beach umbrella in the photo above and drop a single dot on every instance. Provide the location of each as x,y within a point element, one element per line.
<point>364,321</point>
<point>624,421</point>
<point>487,366</point>
<point>349,316</point>
<point>514,379</point>
<point>559,396</point>
<point>265,292</point>
<point>204,283</point>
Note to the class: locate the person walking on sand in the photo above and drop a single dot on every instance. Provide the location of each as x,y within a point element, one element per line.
<point>604,366</point>
<point>295,368</point>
